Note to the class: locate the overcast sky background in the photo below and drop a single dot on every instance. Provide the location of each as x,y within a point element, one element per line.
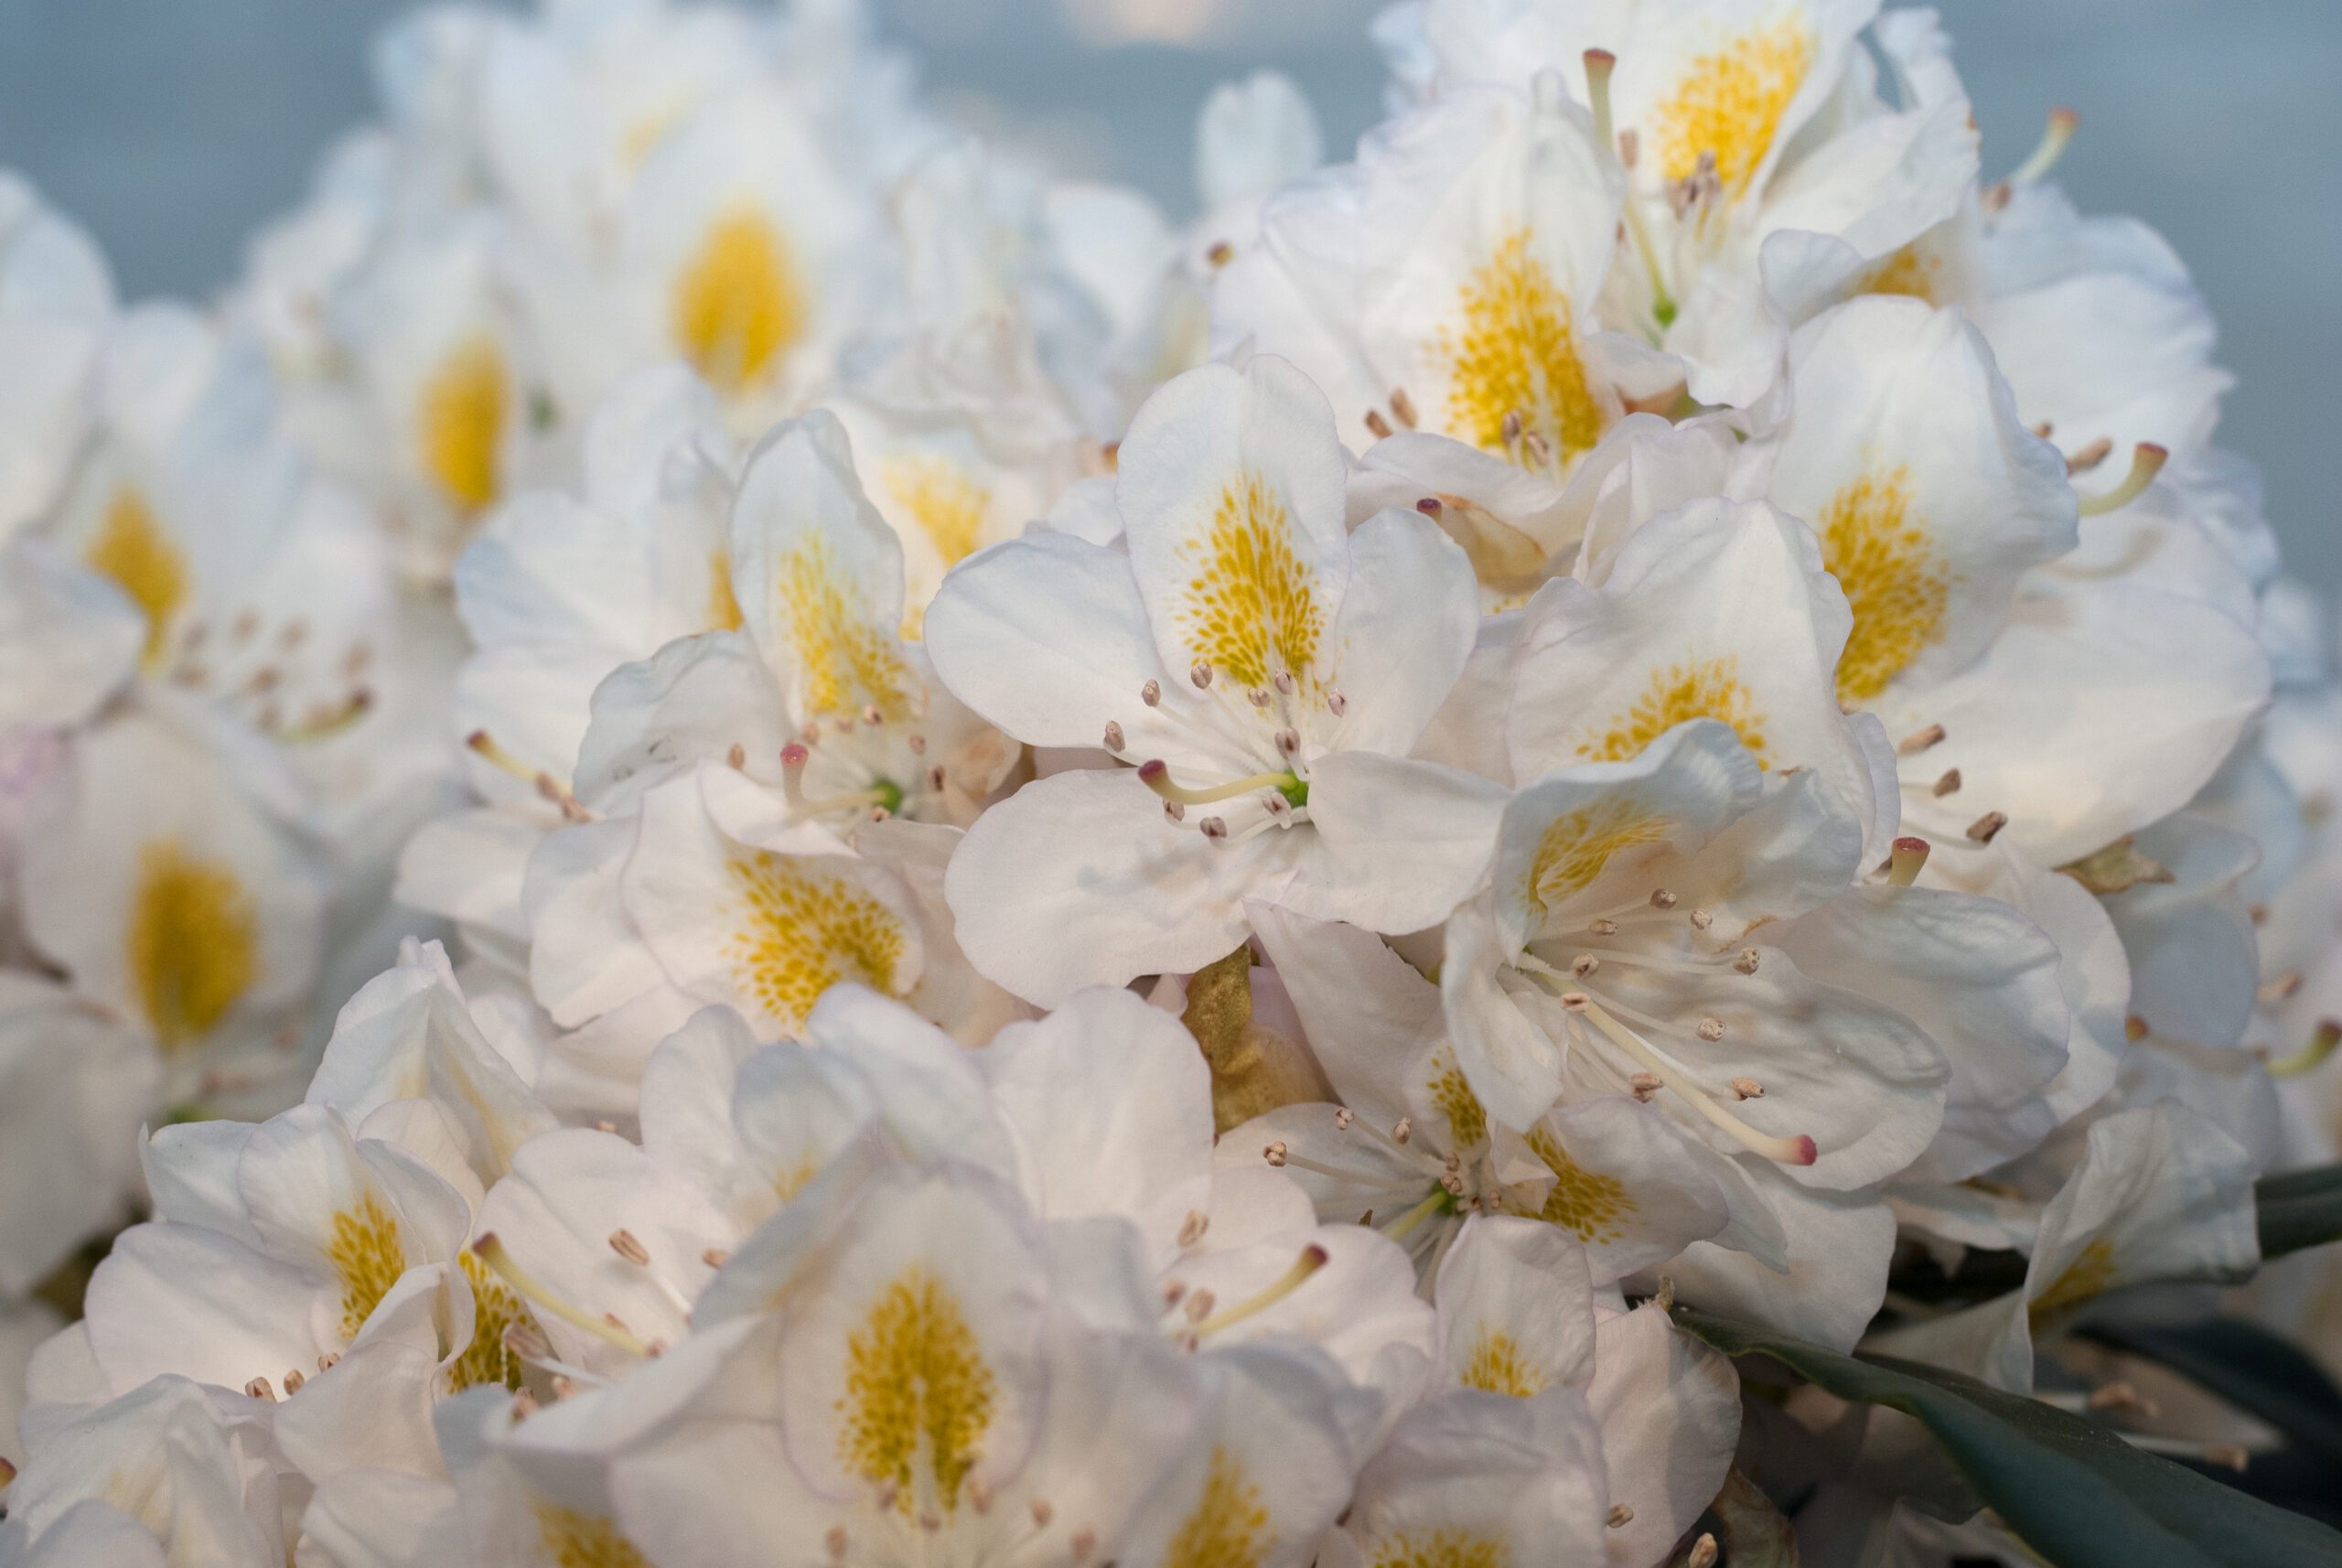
<point>172,127</point>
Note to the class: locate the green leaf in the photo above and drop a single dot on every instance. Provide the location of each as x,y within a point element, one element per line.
<point>2248,1367</point>
<point>2298,1210</point>
<point>2070,1489</point>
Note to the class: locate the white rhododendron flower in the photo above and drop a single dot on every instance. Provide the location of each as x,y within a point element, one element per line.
<point>741,825</point>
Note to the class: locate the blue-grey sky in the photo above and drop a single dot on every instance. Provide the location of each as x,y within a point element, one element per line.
<point>171,127</point>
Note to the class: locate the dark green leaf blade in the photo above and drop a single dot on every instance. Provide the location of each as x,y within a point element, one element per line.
<point>2299,1209</point>
<point>2072,1491</point>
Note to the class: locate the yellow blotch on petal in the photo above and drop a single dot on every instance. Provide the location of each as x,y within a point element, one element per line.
<point>738,303</point>
<point>801,932</point>
<point>1467,1118</point>
<point>919,1394</point>
<point>133,550</point>
<point>723,613</point>
<point>845,661</point>
<point>575,1539</point>
<point>950,508</point>
<point>1249,609</point>
<point>369,1254</point>
<point>1587,1204</point>
<point>1229,1528</point>
<point>1703,689</point>
<point>1894,583</point>
<point>1497,1365</point>
<point>1729,102</point>
<point>2087,1276</point>
<point>465,405</point>
<point>1907,272</point>
<point>193,943</point>
<point>488,1361</point>
<point>1577,844</point>
<point>1516,351</point>
<point>1441,1548</point>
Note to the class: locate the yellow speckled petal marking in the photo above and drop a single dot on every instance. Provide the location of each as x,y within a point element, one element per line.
<point>193,941</point>
<point>723,612</point>
<point>844,662</point>
<point>1249,606</point>
<point>1703,689</point>
<point>1515,350</point>
<point>1577,844</point>
<point>1497,1365</point>
<point>800,932</point>
<point>2087,1276</point>
<point>133,550</point>
<point>1907,272</point>
<point>1228,1528</point>
<point>919,1395</point>
<point>1466,1119</point>
<point>950,508</point>
<point>461,422</point>
<point>1894,581</point>
<point>738,303</point>
<point>574,1540</point>
<point>488,1361</point>
<point>1730,102</point>
<point>369,1254</point>
<point>1587,1204</point>
<point>1441,1548</point>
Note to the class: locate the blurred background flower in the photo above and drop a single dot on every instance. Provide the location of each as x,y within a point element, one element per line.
<point>172,129</point>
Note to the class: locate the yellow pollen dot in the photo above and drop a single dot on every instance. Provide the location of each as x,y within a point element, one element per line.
<point>488,1361</point>
<point>1516,352</point>
<point>369,1254</point>
<point>1730,103</point>
<point>1893,580</point>
<point>845,662</point>
<point>1497,1365</point>
<point>2084,1278</point>
<point>1703,689</point>
<point>1577,844</point>
<point>1466,1119</point>
<point>738,304</point>
<point>950,508</point>
<point>133,550</point>
<point>1249,609</point>
<point>801,932</point>
<point>465,405</point>
<point>1441,1548</point>
<point>574,1540</point>
<point>1585,1203</point>
<point>1228,1528</point>
<point>193,941</point>
<point>918,1392</point>
<point>1907,272</point>
<point>723,613</point>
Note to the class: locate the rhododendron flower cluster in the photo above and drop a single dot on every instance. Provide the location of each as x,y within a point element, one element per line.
<point>736,831</point>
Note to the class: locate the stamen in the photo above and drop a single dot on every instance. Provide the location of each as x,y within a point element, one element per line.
<point>1201,673</point>
<point>1379,426</point>
<point>1214,827</point>
<point>1175,811</point>
<point>2055,138</point>
<point>1192,1228</point>
<point>1599,64</point>
<point>1152,693</point>
<point>2322,1044</point>
<point>1703,1552</point>
<point>1797,1151</point>
<point>2091,456</point>
<point>1620,1516</point>
<point>624,1243</point>
<point>545,784</point>
<point>1905,860</point>
<point>2278,988</point>
<point>1113,736</point>
<point>1585,964</point>
<point>2146,461</point>
<point>1343,1117</point>
<point>1283,681</point>
<point>1661,899</point>
<point>737,756</point>
<point>293,1382</point>
<point>1918,741</point>
<point>1312,1258</point>
<point>1945,785</point>
<point>1985,827</point>
<point>490,1251</point>
<point>1710,1030</point>
<point>1747,962</point>
<point>259,1389</point>
<point>1748,1089</point>
<point>1645,1086</point>
<point>1701,919</point>
<point>1402,407</point>
<point>1402,1129</point>
<point>1338,703</point>
<point>1220,254</point>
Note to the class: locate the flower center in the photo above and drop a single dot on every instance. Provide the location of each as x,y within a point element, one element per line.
<point>1729,104</point>
<point>1514,366</point>
<point>133,550</point>
<point>1894,583</point>
<point>369,1254</point>
<point>193,943</point>
<point>1229,1528</point>
<point>738,303</point>
<point>919,1395</point>
<point>801,932</point>
<point>464,408</point>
